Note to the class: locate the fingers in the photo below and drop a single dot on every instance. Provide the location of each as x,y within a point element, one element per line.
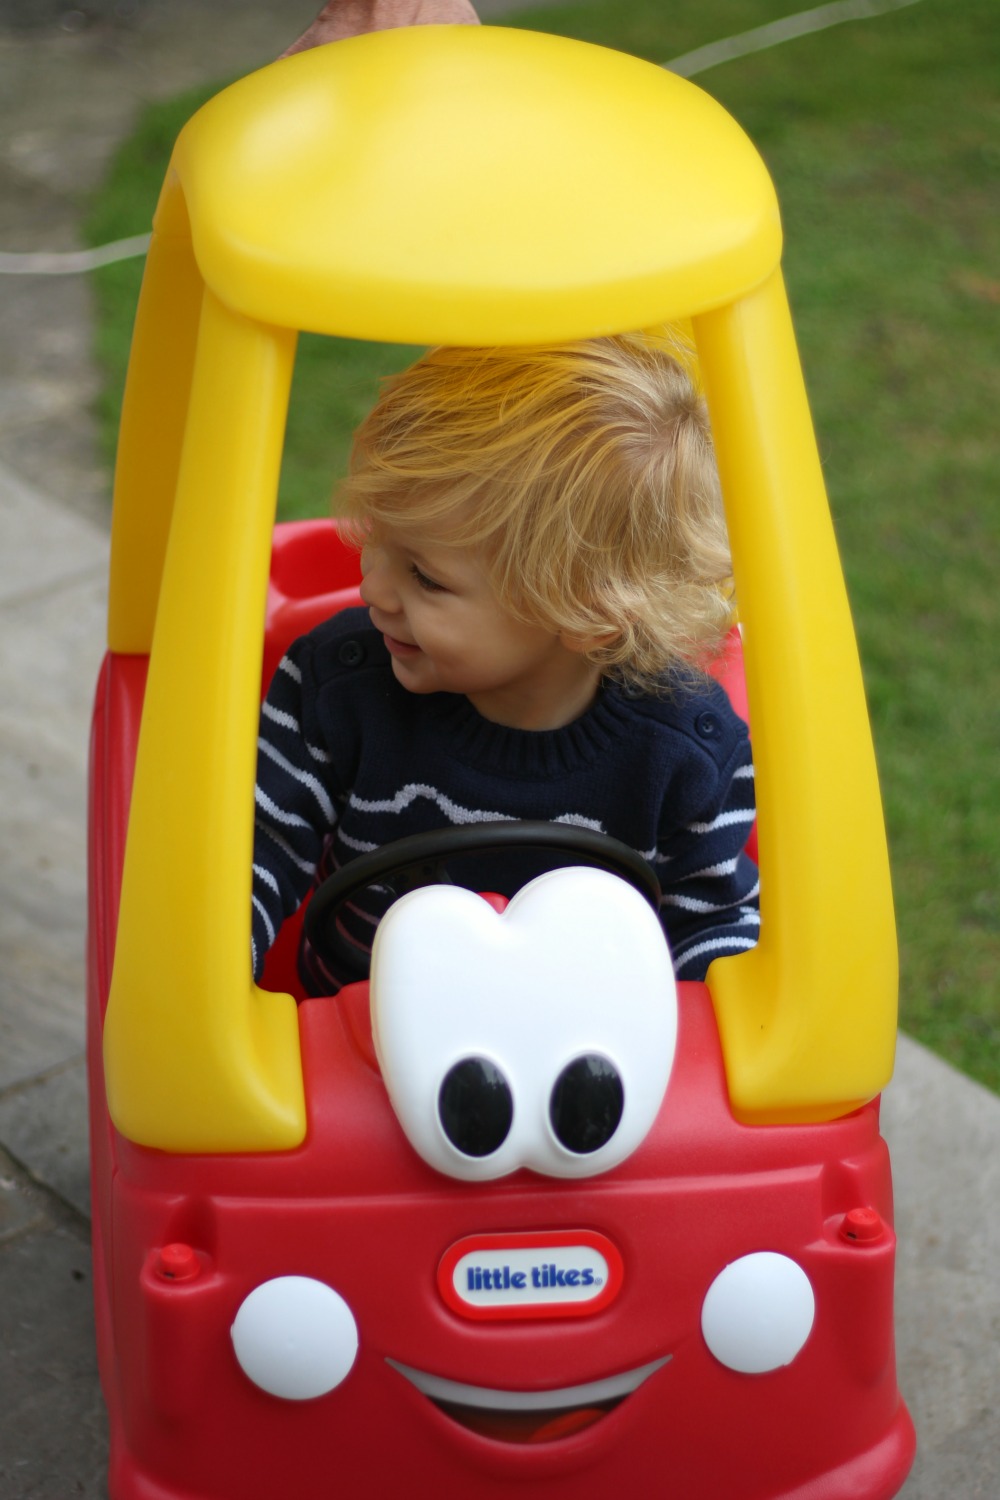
<point>344,18</point>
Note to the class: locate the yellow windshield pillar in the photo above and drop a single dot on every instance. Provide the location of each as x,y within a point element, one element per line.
<point>197,1058</point>
<point>808,1018</point>
<point>154,410</point>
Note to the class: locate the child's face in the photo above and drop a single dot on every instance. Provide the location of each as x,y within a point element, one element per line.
<point>447,632</point>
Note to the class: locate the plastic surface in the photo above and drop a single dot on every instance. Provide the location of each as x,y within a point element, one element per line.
<point>509,1277</point>
<point>196,1057</point>
<point>295,1338</point>
<point>571,1396</point>
<point>808,1018</point>
<point>467,185</point>
<point>358,1211</point>
<point>758,1313</point>
<point>549,1333</point>
<point>574,971</point>
<point>422,859</point>
<point>197,1060</point>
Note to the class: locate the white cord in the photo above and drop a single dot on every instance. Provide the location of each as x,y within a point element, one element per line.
<point>786,30</point>
<point>72,262</point>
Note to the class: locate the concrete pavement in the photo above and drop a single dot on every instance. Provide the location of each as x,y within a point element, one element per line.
<point>71,82</point>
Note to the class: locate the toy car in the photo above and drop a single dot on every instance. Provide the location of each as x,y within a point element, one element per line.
<point>670,1270</point>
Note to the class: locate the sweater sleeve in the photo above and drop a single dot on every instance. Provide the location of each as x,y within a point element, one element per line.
<point>296,801</point>
<point>710,904</point>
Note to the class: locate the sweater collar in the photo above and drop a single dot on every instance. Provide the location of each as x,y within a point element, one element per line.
<point>529,752</point>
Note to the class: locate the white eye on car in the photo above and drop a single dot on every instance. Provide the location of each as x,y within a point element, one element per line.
<point>542,1037</point>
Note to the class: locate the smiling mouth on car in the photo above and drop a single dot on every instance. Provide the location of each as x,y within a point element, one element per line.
<point>528,1416</point>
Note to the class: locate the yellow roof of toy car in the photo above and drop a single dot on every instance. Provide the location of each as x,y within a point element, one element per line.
<point>445,216</point>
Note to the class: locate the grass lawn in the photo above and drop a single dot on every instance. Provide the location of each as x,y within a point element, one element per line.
<point>883,137</point>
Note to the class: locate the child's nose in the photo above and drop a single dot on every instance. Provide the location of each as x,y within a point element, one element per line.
<point>377,587</point>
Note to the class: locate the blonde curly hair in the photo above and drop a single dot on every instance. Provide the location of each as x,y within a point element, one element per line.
<point>585,477</point>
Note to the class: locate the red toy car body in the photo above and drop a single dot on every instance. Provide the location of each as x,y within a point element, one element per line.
<point>189,1238</point>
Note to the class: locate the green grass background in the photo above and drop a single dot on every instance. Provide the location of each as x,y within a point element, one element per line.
<point>883,137</point>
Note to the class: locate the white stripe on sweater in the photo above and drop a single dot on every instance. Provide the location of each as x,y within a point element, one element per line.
<point>691,903</point>
<point>725,820</point>
<point>267,878</point>
<point>268,924</point>
<point>748,914</point>
<point>289,721</point>
<point>304,778</point>
<point>683,956</point>
<point>454,811</point>
<point>308,866</point>
<point>710,872</point>
<point>360,846</point>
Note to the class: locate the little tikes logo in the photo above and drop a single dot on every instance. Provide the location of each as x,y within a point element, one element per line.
<point>568,1273</point>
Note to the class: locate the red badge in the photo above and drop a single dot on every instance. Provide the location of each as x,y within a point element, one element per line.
<point>564,1274</point>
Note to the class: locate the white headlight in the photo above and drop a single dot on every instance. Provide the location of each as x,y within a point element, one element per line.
<point>295,1337</point>
<point>758,1313</point>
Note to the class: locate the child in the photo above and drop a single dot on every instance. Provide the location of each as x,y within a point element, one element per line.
<point>546,568</point>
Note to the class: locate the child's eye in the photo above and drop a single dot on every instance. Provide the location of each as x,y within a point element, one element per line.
<point>425,583</point>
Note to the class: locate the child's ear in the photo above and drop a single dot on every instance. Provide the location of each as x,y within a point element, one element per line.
<point>581,644</point>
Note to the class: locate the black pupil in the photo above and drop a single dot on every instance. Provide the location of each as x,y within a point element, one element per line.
<point>475,1106</point>
<point>586,1104</point>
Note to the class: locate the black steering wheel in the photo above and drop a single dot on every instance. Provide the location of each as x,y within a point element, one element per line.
<point>418,860</point>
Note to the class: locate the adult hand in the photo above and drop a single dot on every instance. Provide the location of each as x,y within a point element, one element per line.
<point>343,18</point>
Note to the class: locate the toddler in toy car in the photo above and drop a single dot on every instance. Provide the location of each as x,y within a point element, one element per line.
<point>547,573</point>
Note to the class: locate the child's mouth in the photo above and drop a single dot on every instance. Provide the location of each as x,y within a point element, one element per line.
<point>399,648</point>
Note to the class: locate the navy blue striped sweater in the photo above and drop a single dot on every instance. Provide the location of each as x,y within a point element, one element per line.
<point>348,761</point>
